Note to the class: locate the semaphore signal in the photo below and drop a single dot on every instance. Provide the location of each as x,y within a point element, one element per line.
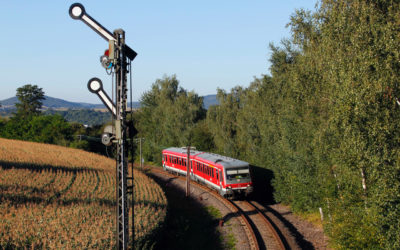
<point>116,59</point>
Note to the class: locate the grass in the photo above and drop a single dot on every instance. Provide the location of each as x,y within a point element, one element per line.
<point>230,242</point>
<point>214,212</point>
<point>314,218</point>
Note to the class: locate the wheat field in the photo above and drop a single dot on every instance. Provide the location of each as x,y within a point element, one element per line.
<point>56,197</point>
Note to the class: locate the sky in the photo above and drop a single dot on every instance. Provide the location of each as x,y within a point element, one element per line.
<point>206,44</point>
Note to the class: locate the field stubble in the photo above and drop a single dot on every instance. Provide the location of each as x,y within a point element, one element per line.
<point>56,197</point>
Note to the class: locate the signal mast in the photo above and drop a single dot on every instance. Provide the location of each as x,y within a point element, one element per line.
<point>117,59</point>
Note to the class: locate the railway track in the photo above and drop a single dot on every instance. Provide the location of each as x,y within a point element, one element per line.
<point>265,233</point>
<point>260,232</point>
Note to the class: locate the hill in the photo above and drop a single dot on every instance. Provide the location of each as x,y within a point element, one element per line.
<point>54,197</point>
<point>57,103</point>
<point>210,100</point>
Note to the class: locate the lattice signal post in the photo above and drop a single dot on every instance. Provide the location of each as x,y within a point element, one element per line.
<point>117,60</point>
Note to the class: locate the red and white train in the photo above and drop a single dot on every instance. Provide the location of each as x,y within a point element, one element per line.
<point>230,177</point>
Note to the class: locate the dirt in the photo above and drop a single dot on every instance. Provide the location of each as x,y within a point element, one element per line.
<point>305,234</point>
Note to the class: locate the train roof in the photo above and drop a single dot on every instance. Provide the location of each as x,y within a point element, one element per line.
<point>183,150</point>
<point>225,161</point>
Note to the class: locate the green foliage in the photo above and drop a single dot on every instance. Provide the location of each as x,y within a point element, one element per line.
<point>325,120</point>
<point>47,129</point>
<point>168,117</point>
<point>84,116</point>
<point>80,144</point>
<point>202,137</point>
<point>30,100</point>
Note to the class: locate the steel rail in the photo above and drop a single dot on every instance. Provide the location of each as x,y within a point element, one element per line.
<point>268,222</point>
<point>231,206</point>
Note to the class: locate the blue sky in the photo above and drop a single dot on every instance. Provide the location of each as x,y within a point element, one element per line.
<point>207,44</point>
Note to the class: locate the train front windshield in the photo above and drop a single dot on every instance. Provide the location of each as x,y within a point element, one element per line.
<point>238,175</point>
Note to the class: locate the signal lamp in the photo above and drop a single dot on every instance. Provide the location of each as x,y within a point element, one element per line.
<point>107,138</point>
<point>76,11</point>
<point>105,61</point>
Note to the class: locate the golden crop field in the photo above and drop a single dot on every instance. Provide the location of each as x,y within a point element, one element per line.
<point>56,197</point>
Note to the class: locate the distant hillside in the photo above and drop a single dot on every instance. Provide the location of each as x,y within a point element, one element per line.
<point>51,102</point>
<point>210,100</point>
<point>83,116</point>
<point>56,103</point>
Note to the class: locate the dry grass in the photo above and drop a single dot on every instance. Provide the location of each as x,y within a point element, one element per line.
<point>57,197</point>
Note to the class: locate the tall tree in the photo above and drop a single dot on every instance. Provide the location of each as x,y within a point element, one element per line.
<point>30,100</point>
<point>168,116</point>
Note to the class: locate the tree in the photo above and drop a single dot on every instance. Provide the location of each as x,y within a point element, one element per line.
<point>51,129</point>
<point>30,100</point>
<point>168,116</point>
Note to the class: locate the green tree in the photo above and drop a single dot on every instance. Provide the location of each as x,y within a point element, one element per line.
<point>325,120</point>
<point>168,116</point>
<point>30,100</point>
<point>48,129</point>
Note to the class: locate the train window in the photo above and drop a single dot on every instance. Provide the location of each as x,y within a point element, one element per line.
<point>237,174</point>
<point>216,174</point>
<point>212,172</point>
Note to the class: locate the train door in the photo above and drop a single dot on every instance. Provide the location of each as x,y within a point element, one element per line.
<point>191,168</point>
<point>220,178</point>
